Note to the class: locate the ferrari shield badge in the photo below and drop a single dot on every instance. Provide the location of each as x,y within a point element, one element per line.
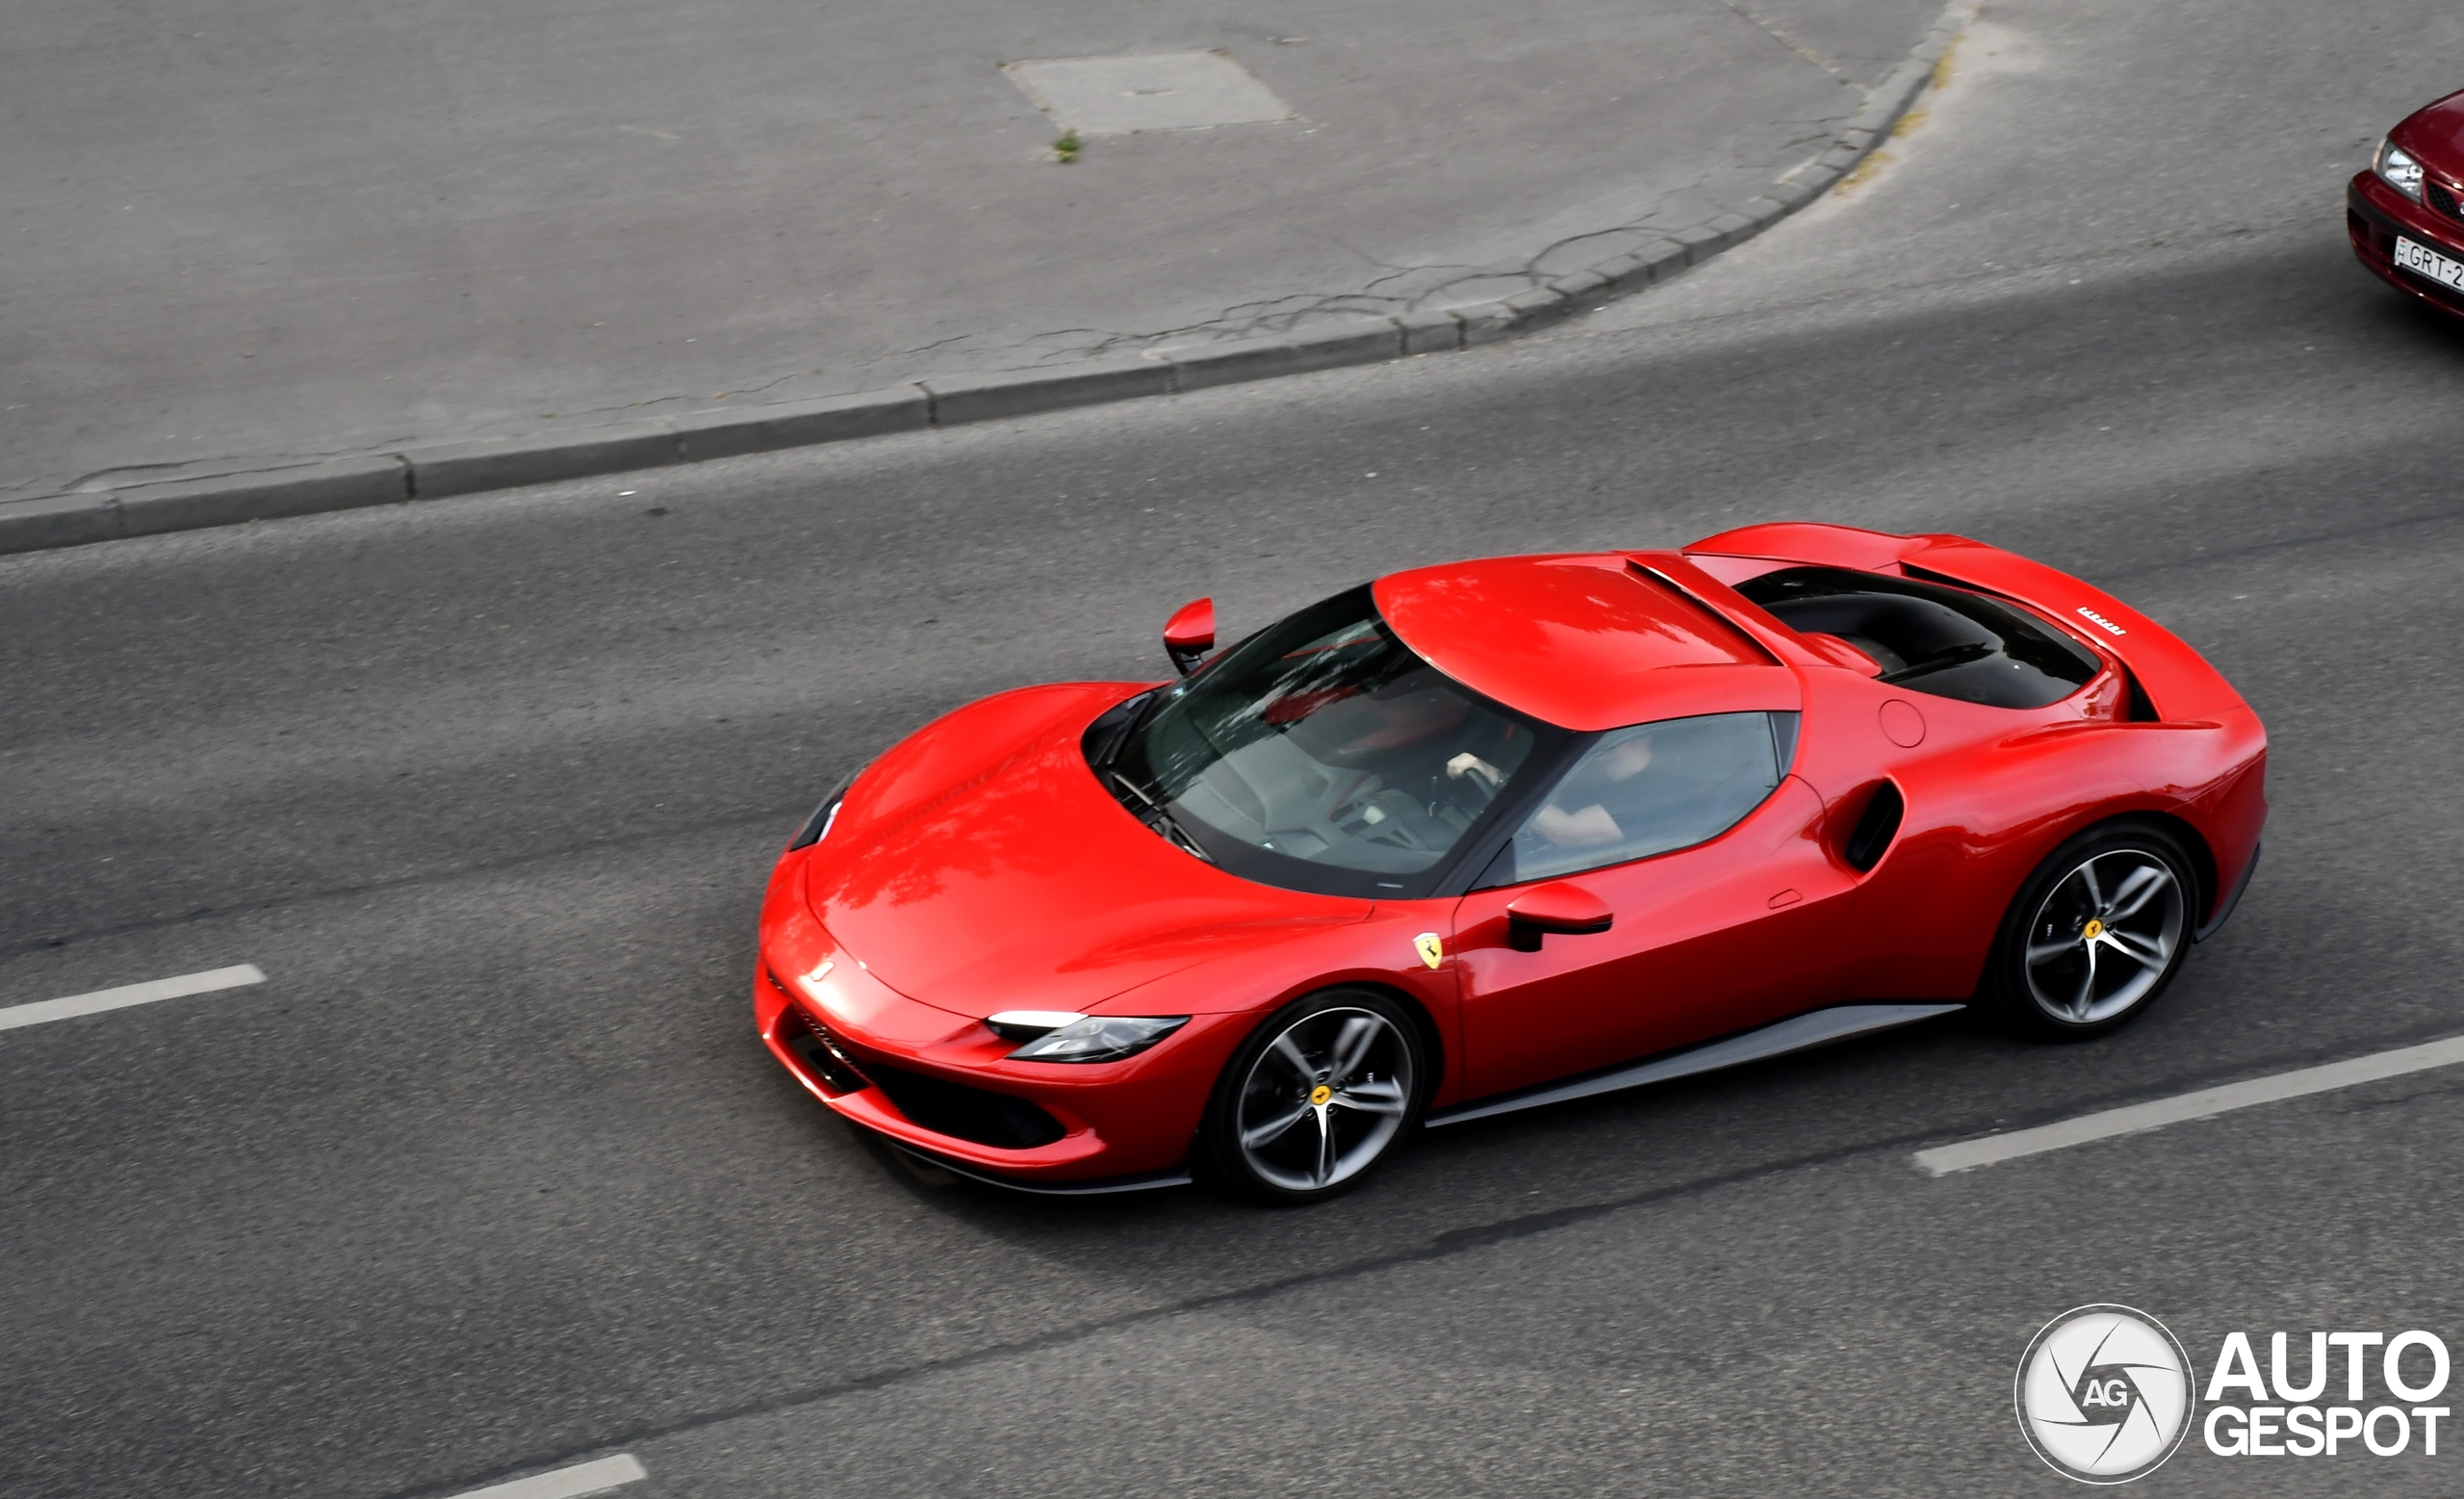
<point>1431,949</point>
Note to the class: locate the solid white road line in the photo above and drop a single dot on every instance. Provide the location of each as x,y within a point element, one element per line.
<point>121,999</point>
<point>583,1478</point>
<point>1942,1160</point>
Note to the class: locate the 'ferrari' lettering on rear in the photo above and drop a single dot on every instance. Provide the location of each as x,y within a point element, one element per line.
<point>2101,622</point>
<point>1431,949</point>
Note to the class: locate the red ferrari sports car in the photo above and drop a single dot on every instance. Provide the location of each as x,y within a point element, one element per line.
<point>2406,213</point>
<point>1496,834</point>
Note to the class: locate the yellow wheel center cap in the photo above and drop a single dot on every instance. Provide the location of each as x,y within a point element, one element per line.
<point>2092,930</point>
<point>1320,1094</point>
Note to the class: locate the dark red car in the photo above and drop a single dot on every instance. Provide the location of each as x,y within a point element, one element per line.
<point>2406,213</point>
<point>1496,834</point>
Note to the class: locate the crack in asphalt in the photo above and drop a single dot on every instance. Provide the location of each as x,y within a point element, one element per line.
<point>1443,283</point>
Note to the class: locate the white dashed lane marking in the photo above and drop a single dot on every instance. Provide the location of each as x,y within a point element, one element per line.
<point>1942,1160</point>
<point>583,1478</point>
<point>101,999</point>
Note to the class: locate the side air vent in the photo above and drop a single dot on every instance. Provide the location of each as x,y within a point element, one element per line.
<point>1876,826</point>
<point>2138,707</point>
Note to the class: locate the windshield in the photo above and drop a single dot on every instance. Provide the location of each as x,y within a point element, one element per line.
<point>1321,754</point>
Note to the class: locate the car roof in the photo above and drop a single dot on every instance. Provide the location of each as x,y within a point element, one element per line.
<point>1582,641</point>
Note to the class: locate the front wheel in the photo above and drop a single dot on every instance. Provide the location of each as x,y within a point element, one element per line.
<point>2095,934</point>
<point>1316,1096</point>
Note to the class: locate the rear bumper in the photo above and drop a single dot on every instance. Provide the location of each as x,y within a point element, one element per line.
<point>2375,214</point>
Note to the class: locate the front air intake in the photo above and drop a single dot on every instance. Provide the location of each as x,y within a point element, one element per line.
<point>978,1114</point>
<point>811,1043</point>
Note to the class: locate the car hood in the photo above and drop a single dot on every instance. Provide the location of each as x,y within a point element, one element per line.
<point>2436,135</point>
<point>980,867</point>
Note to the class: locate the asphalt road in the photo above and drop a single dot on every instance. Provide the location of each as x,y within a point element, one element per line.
<point>251,230</point>
<point>490,1175</point>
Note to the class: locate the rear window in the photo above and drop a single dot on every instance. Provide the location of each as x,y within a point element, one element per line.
<point>1931,638</point>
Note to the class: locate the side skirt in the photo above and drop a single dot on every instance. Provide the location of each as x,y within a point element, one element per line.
<point>1800,1033</point>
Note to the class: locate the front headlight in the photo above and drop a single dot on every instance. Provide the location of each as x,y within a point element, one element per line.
<point>2397,169</point>
<point>1100,1038</point>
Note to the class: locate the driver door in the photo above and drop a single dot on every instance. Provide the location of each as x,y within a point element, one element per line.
<point>1723,922</point>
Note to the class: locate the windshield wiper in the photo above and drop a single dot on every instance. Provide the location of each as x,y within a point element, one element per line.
<point>1126,714</point>
<point>1160,820</point>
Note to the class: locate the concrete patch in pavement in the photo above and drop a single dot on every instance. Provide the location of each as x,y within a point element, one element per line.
<point>1170,90</point>
<point>439,470</point>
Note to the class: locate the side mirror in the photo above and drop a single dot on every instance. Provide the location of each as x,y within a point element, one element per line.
<point>1559,908</point>
<point>1190,633</point>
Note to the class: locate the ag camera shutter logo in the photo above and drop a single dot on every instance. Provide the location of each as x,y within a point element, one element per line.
<point>2104,1394</point>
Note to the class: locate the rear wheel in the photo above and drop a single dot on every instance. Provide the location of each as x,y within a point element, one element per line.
<point>2096,935</point>
<point>1319,1094</point>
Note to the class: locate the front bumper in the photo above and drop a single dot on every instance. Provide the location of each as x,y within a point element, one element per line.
<point>2375,214</point>
<point>938,1084</point>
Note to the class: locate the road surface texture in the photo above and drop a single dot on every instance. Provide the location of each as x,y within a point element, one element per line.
<point>490,1175</point>
<point>245,231</point>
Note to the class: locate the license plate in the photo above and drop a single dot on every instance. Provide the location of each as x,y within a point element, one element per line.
<point>2423,261</point>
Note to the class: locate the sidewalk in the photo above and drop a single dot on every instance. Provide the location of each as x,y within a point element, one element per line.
<point>266,230</point>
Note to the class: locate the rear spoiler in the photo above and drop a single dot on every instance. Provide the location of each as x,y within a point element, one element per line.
<point>2179,681</point>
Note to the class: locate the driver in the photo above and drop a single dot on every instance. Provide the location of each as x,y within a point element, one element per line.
<point>1592,825</point>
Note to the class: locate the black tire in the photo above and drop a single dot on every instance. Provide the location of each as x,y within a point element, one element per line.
<point>2094,934</point>
<point>1340,1116</point>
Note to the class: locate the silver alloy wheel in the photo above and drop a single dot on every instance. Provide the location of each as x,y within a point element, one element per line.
<point>1325,1099</point>
<point>2104,936</point>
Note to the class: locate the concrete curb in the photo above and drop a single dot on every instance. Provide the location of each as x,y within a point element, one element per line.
<point>438,470</point>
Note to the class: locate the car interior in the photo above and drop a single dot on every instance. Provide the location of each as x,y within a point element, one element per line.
<point>1929,638</point>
